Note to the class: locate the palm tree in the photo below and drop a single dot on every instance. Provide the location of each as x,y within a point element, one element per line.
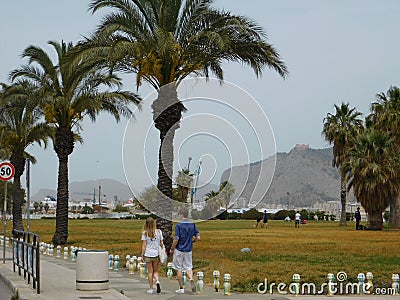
<point>165,41</point>
<point>68,94</point>
<point>226,190</point>
<point>339,129</point>
<point>372,170</point>
<point>213,201</point>
<point>386,117</point>
<point>20,126</point>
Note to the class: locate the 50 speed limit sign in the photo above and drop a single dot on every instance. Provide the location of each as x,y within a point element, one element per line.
<point>7,171</point>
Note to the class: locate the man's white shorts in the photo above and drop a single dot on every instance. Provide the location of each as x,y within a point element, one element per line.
<point>182,261</point>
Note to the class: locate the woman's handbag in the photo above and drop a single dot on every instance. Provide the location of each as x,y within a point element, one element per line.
<point>162,254</point>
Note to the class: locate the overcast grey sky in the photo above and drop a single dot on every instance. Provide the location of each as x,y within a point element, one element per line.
<point>335,50</point>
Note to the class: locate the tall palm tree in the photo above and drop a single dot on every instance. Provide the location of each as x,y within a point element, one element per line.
<point>68,95</point>
<point>165,41</point>
<point>20,126</point>
<point>339,129</point>
<point>386,117</point>
<point>226,190</point>
<point>372,170</point>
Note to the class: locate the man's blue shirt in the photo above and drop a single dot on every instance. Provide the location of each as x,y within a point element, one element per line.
<point>184,233</point>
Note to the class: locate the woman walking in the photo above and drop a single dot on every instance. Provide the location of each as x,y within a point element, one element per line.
<point>152,238</point>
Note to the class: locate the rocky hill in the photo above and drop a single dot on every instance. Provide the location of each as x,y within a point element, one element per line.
<point>302,177</point>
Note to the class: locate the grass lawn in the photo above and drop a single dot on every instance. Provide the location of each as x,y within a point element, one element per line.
<point>278,252</point>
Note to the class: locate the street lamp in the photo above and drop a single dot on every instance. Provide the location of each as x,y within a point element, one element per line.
<point>288,202</point>
<point>189,160</point>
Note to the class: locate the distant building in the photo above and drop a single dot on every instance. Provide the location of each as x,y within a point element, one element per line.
<point>302,147</point>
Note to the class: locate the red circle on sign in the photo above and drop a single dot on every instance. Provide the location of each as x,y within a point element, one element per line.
<point>7,171</point>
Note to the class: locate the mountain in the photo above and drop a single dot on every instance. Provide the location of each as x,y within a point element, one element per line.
<point>302,177</point>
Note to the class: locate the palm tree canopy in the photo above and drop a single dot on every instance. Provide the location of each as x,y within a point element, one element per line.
<point>21,123</point>
<point>372,169</point>
<point>68,95</point>
<point>164,41</point>
<point>340,128</point>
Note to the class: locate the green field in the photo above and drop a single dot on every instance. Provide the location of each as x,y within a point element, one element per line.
<point>277,253</point>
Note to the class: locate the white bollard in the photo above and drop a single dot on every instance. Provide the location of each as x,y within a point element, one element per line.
<point>216,276</point>
<point>169,270</point>
<point>142,271</point>
<point>116,263</point>
<point>127,261</point>
<point>134,263</point>
<point>200,282</point>
<point>73,256</point>
<point>361,283</point>
<point>227,284</point>
<point>369,286</point>
<point>331,279</point>
<point>7,241</point>
<point>58,251</point>
<point>65,252</point>
<point>131,266</point>
<point>296,283</point>
<point>395,284</point>
<point>138,261</point>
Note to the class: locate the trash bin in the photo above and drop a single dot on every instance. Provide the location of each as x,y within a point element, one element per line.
<point>92,270</point>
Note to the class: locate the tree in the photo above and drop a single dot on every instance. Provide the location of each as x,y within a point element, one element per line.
<point>69,93</point>
<point>372,167</point>
<point>226,190</point>
<point>165,41</point>
<point>339,129</point>
<point>20,126</point>
<point>385,116</point>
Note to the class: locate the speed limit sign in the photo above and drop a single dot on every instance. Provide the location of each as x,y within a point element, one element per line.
<point>7,171</point>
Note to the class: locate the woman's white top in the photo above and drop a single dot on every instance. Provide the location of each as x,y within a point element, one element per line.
<point>152,243</point>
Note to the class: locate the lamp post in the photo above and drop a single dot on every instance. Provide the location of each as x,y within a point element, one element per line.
<point>194,189</point>
<point>189,160</point>
<point>288,201</point>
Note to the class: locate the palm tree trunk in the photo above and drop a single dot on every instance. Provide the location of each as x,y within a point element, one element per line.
<point>375,220</point>
<point>63,145</point>
<point>395,214</point>
<point>18,162</point>
<point>343,194</point>
<point>167,112</point>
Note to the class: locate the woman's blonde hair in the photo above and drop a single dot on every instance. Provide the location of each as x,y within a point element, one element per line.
<point>149,228</point>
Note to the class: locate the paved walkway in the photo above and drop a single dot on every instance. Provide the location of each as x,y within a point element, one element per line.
<point>58,283</point>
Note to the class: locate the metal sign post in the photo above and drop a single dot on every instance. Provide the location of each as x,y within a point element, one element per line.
<point>7,172</point>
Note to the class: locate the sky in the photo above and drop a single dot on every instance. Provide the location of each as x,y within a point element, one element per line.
<point>335,51</point>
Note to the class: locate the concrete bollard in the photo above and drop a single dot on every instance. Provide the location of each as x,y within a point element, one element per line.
<point>296,283</point>
<point>127,261</point>
<point>169,270</point>
<point>142,271</point>
<point>91,271</point>
<point>395,284</point>
<point>65,252</point>
<point>73,254</point>
<point>116,263</point>
<point>138,261</point>
<point>58,251</point>
<point>184,278</point>
<point>361,283</point>
<point>110,262</point>
<point>331,278</point>
<point>1,240</point>
<point>216,276</point>
<point>131,269</point>
<point>227,284</point>
<point>134,263</point>
<point>7,241</point>
<point>369,286</point>
<point>200,282</point>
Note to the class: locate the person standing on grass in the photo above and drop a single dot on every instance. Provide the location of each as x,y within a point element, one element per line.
<point>265,220</point>
<point>186,233</point>
<point>297,218</point>
<point>258,220</point>
<point>357,216</point>
<point>152,238</point>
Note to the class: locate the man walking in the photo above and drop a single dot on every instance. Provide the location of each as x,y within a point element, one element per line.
<point>186,233</point>
<point>357,215</point>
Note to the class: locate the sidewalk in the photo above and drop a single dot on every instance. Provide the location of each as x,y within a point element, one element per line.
<point>58,283</point>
